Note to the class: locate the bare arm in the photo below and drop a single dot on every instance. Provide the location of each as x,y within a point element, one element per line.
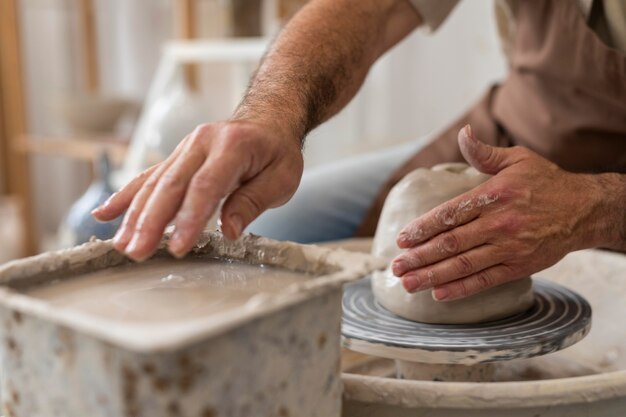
<point>321,58</point>
<point>608,230</point>
<point>254,160</point>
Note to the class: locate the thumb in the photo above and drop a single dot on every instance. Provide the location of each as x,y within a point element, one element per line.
<point>485,158</point>
<point>248,202</point>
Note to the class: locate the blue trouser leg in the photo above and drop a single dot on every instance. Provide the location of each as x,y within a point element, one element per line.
<point>333,199</point>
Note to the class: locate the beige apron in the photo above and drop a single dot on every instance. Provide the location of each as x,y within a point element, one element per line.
<point>565,98</point>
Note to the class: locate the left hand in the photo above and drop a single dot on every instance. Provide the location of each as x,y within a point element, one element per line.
<point>525,218</point>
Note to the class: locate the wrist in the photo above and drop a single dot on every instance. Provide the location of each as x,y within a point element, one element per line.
<point>274,111</point>
<point>607,226</point>
<point>271,126</point>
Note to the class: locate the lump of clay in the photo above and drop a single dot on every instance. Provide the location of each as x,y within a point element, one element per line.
<point>417,193</point>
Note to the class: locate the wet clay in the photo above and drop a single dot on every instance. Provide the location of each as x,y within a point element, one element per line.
<point>419,192</point>
<point>162,290</point>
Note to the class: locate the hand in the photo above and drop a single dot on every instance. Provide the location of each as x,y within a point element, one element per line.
<point>525,218</point>
<point>253,164</point>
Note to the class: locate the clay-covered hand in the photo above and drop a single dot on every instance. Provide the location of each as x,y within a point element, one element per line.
<point>525,218</point>
<point>256,166</point>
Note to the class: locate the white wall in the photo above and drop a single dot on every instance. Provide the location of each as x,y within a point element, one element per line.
<point>417,88</point>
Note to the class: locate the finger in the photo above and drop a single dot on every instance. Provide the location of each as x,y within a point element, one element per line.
<point>119,201</point>
<point>249,201</point>
<point>442,246</point>
<point>460,266</point>
<point>218,176</point>
<point>163,203</point>
<point>475,283</point>
<point>486,158</point>
<point>126,230</point>
<point>447,216</point>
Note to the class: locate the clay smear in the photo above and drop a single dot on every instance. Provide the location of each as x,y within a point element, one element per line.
<point>165,290</point>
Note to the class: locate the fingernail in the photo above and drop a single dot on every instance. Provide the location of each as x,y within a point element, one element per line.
<point>410,283</point>
<point>176,245</point>
<point>440,294</point>
<point>94,214</point>
<point>408,236</point>
<point>468,131</point>
<point>398,267</point>
<point>121,237</point>
<point>403,239</point>
<point>236,223</point>
<point>106,203</point>
<point>132,245</point>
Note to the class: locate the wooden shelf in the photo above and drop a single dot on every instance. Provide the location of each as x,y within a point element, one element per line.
<point>86,149</point>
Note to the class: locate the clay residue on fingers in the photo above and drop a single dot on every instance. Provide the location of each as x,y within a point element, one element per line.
<point>487,199</point>
<point>466,205</point>
<point>410,235</point>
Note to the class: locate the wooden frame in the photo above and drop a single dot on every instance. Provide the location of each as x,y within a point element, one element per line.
<point>185,15</point>
<point>14,120</point>
<point>4,155</point>
<point>90,47</point>
<point>15,143</point>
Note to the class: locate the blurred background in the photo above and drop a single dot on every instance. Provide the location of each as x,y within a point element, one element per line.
<point>93,90</point>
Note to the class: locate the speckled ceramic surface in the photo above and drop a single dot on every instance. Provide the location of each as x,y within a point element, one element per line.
<point>558,319</point>
<point>274,357</point>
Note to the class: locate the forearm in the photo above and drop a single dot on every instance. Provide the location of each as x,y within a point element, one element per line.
<point>608,227</point>
<point>320,60</point>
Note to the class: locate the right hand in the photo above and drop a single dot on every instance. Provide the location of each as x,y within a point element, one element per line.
<point>254,164</point>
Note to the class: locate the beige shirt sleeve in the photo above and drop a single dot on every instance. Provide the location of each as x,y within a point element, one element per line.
<point>433,12</point>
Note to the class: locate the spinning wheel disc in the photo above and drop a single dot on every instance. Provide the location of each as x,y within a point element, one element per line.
<point>558,319</point>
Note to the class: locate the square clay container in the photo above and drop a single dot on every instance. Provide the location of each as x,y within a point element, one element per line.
<point>279,357</point>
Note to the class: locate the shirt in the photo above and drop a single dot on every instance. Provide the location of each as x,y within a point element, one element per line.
<point>607,18</point>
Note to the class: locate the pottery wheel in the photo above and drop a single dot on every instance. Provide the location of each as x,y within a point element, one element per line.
<point>558,319</point>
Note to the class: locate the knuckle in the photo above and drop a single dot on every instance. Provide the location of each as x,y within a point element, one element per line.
<point>131,213</point>
<point>515,193</point>
<point>526,249</point>
<point>195,140</point>
<point>171,180</point>
<point>187,220</point>
<point>505,225</point>
<point>413,258</point>
<point>462,289</point>
<point>446,216</point>
<point>202,130</point>
<point>179,147</point>
<point>522,194</point>
<point>144,175</point>
<point>144,225</point>
<point>253,203</point>
<point>487,199</point>
<point>512,225</point>
<point>463,265</point>
<point>483,280</point>
<point>201,183</point>
<point>151,182</point>
<point>431,279</point>
<point>492,157</point>
<point>523,151</point>
<point>449,243</point>
<point>234,133</point>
